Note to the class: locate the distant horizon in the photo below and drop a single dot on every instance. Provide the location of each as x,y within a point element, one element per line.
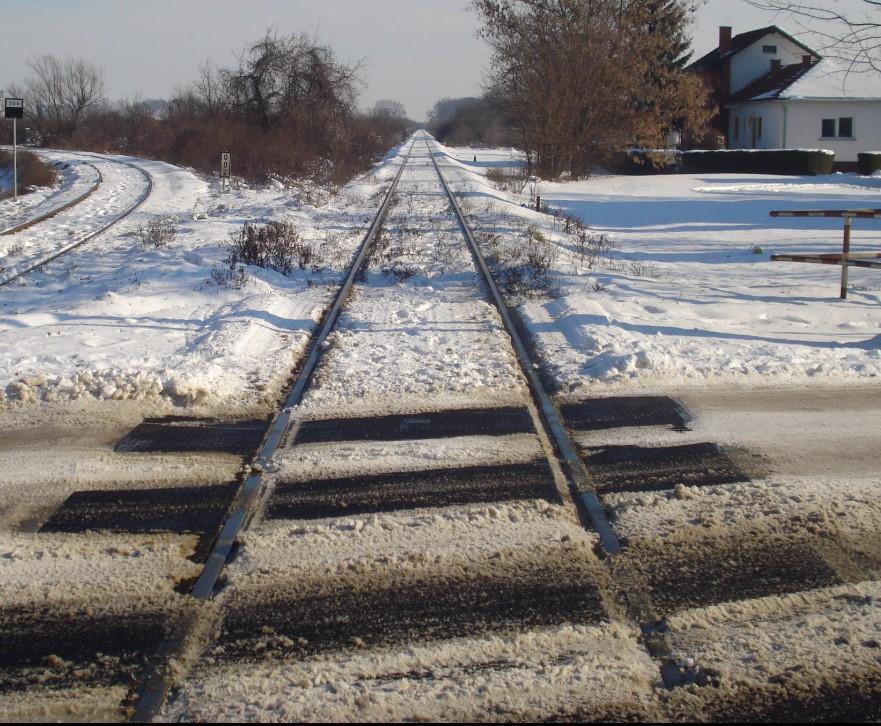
<point>414,51</point>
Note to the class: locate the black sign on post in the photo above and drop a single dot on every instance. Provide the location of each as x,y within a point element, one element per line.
<point>14,108</point>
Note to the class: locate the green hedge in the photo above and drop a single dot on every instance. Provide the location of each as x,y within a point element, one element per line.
<point>749,161</point>
<point>869,162</point>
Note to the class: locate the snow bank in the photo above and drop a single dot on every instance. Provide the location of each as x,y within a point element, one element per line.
<point>688,295</point>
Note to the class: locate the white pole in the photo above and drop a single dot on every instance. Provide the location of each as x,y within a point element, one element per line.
<point>14,160</point>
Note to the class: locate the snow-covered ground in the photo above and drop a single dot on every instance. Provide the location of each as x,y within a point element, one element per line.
<point>76,176</point>
<point>688,295</point>
<point>114,320</point>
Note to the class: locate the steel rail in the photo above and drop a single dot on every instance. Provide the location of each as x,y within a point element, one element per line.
<point>581,486</point>
<point>18,271</point>
<point>154,692</point>
<point>59,209</point>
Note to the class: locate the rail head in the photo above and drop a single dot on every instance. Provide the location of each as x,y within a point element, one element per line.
<point>586,499</point>
<point>154,692</point>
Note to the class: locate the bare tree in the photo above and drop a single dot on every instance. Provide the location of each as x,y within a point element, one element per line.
<point>385,108</point>
<point>853,35</point>
<point>61,92</point>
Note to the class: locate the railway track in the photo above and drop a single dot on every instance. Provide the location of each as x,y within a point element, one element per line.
<point>455,545</point>
<point>28,245</point>
<point>52,209</point>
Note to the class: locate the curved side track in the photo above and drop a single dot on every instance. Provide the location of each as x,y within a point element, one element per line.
<point>153,694</point>
<point>580,484</point>
<point>59,209</point>
<point>30,266</point>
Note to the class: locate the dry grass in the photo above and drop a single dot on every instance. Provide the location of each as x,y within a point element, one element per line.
<point>32,172</point>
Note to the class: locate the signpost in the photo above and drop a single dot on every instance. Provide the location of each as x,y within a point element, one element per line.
<point>224,170</point>
<point>14,109</point>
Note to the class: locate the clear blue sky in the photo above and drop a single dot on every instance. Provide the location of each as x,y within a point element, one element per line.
<point>414,51</point>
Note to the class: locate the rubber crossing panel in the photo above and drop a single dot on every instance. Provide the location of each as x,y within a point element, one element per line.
<point>625,411</point>
<point>175,435</point>
<point>437,424</point>
<point>180,510</point>
<point>410,490</point>
<point>640,468</point>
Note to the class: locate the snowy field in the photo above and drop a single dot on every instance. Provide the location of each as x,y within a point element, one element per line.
<point>116,320</point>
<point>688,295</point>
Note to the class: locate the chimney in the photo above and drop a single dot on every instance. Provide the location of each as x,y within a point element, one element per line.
<point>776,65</point>
<point>807,61</point>
<point>724,38</point>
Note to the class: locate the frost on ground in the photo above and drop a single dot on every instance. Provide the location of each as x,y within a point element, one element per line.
<point>120,320</point>
<point>688,294</point>
<point>418,331</point>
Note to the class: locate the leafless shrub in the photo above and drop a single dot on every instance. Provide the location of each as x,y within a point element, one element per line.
<point>229,275</point>
<point>274,246</point>
<point>32,171</point>
<point>523,266</point>
<point>507,180</point>
<point>640,268</point>
<point>157,233</point>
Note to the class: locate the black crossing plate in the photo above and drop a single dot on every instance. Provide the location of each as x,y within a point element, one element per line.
<point>622,411</point>
<point>437,424</point>
<point>488,597</point>
<point>409,490</point>
<point>183,510</point>
<point>180,435</point>
<point>60,649</point>
<point>711,571</point>
<point>641,468</point>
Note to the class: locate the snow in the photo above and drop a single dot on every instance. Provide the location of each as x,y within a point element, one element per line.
<point>76,177</point>
<point>114,321</point>
<point>427,337</point>
<point>689,296</point>
<point>570,670</point>
<point>832,78</point>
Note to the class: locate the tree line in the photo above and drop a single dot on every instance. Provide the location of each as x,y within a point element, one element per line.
<point>288,107</point>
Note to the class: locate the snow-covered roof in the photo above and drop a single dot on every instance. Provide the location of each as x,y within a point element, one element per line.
<point>827,79</point>
<point>835,80</point>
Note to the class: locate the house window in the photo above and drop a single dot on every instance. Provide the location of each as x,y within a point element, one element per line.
<point>759,127</point>
<point>736,128</point>
<point>770,49</point>
<point>828,128</point>
<point>845,128</point>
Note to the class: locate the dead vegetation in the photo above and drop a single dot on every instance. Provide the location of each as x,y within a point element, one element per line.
<point>32,171</point>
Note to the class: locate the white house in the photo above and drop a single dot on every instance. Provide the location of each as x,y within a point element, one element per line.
<point>774,92</point>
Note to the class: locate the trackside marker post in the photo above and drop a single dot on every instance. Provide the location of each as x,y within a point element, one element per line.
<point>224,170</point>
<point>14,108</point>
